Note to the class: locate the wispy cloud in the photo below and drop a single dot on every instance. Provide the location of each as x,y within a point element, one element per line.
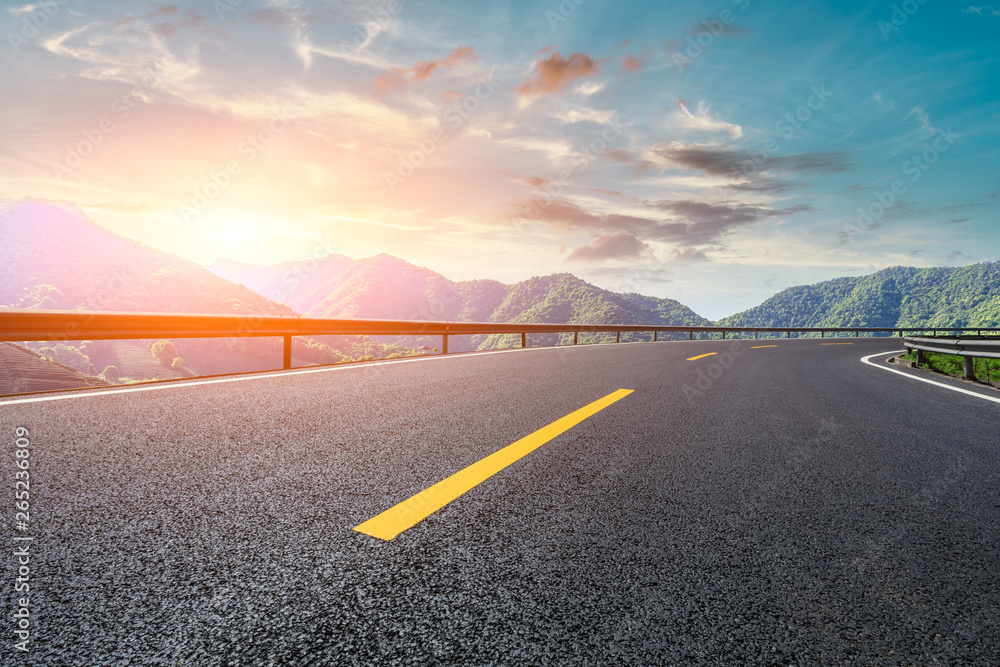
<point>702,121</point>
<point>554,73</point>
<point>618,246</point>
<point>730,163</point>
<point>982,11</point>
<point>423,69</point>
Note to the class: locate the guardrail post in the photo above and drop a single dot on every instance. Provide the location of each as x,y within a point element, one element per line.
<point>920,357</point>
<point>723,335</point>
<point>788,334</point>
<point>618,336</point>
<point>690,335</point>
<point>524,340</point>
<point>755,335</point>
<point>822,334</point>
<point>656,336</point>
<point>970,370</point>
<point>287,353</point>
<point>444,344</point>
<point>576,334</point>
<point>857,334</point>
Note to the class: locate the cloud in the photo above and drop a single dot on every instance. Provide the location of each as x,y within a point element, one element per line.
<point>769,186</point>
<point>730,163</point>
<point>688,255</point>
<point>163,10</point>
<point>555,73</point>
<point>633,63</point>
<point>982,11</point>
<point>707,223</point>
<point>618,246</point>
<point>702,121</point>
<point>422,71</point>
<point>956,221</point>
<point>687,223</point>
<point>923,119</point>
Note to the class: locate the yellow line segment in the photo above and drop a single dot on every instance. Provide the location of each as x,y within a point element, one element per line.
<point>415,509</point>
<point>757,347</point>
<point>702,356</point>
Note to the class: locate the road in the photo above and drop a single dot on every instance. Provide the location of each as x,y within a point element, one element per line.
<point>786,504</point>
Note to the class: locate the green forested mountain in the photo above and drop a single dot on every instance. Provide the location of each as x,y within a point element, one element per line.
<point>564,298</point>
<point>898,296</point>
<point>385,287</point>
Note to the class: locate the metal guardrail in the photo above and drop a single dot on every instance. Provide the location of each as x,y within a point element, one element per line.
<point>85,325</point>
<point>967,348</point>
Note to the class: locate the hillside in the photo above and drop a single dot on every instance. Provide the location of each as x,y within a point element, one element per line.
<point>564,298</point>
<point>896,296</point>
<point>299,285</point>
<point>53,257</point>
<point>23,370</point>
<point>385,287</point>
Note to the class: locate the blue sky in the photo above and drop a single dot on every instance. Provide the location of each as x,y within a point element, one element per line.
<point>710,152</point>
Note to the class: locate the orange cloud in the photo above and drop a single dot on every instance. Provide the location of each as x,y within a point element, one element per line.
<point>633,63</point>
<point>556,73</point>
<point>422,71</point>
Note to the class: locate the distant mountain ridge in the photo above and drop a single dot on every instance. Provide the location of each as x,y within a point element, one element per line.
<point>899,296</point>
<point>385,287</point>
<point>53,257</point>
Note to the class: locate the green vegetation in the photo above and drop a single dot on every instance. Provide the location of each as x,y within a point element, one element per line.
<point>165,351</point>
<point>986,370</point>
<point>899,296</point>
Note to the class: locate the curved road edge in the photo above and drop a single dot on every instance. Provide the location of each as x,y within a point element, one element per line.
<point>868,360</point>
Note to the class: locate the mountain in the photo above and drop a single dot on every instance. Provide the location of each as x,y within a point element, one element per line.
<point>53,257</point>
<point>564,298</point>
<point>899,296</point>
<point>385,287</point>
<point>298,285</point>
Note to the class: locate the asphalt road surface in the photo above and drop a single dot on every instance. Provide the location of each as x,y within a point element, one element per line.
<point>762,505</point>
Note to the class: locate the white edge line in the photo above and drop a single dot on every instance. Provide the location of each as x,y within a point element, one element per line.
<point>920,379</point>
<point>263,375</point>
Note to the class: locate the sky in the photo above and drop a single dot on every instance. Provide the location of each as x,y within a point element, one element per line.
<point>710,152</point>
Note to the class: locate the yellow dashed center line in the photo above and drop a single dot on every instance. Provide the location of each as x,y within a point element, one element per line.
<point>415,509</point>
<point>702,356</point>
<point>758,347</point>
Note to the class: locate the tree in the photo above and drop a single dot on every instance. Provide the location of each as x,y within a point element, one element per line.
<point>165,351</point>
<point>177,364</point>
<point>111,374</point>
